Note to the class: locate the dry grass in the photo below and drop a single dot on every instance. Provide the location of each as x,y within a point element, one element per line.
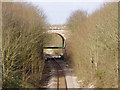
<point>94,51</point>
<point>22,41</point>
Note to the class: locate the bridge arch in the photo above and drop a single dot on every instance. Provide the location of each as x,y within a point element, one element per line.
<point>61,48</point>
<point>61,36</point>
<point>63,39</point>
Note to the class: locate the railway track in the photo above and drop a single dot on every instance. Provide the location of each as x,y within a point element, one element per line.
<point>60,76</point>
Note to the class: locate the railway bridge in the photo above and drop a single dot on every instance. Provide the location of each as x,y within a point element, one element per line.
<point>60,30</point>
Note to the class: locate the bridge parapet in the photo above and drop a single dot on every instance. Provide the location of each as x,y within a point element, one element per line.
<point>57,27</point>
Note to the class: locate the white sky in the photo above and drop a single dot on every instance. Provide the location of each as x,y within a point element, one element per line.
<point>58,12</point>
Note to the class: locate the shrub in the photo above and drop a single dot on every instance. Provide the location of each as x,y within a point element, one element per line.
<point>94,47</point>
<point>22,41</point>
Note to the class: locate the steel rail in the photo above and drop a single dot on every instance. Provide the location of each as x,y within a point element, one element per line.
<point>58,77</point>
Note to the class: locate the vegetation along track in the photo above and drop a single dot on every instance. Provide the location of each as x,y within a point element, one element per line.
<point>61,79</point>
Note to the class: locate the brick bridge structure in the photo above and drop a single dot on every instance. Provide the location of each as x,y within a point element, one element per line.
<point>60,30</point>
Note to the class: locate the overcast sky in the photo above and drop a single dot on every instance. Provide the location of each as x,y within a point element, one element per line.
<point>58,12</point>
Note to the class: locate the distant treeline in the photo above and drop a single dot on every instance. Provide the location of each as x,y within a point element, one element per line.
<point>22,41</point>
<point>93,46</point>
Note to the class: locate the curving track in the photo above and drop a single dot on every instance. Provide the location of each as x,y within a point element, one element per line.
<point>60,76</point>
